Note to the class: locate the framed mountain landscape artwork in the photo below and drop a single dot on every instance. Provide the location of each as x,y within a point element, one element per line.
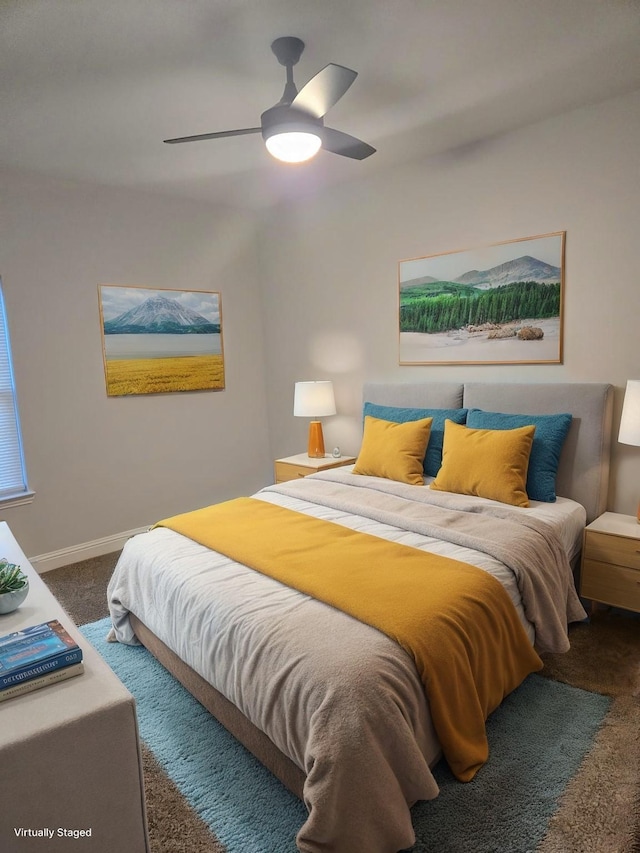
<point>497,304</point>
<point>157,341</point>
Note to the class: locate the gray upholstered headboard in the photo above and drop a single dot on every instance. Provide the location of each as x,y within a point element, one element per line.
<point>583,474</point>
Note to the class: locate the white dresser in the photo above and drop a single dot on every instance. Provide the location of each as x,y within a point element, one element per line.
<point>69,752</point>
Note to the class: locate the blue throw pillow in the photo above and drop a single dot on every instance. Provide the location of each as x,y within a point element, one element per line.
<point>551,432</point>
<point>399,415</point>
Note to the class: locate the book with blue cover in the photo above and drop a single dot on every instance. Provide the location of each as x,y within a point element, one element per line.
<point>36,650</point>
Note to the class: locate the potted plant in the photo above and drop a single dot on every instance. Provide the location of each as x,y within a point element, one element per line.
<point>14,586</point>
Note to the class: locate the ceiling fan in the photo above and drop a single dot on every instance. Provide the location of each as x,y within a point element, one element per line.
<point>294,129</point>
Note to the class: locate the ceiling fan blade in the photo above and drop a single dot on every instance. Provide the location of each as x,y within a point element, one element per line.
<point>219,135</point>
<point>324,90</point>
<point>348,146</point>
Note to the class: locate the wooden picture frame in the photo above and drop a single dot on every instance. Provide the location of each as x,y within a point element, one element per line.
<point>158,341</point>
<point>497,304</point>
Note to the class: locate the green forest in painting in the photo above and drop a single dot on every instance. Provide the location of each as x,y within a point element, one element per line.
<point>446,305</point>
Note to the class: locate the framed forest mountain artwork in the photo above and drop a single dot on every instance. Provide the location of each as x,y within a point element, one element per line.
<point>157,341</point>
<point>497,304</point>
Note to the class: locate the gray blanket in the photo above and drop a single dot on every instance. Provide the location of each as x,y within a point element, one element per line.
<point>527,545</point>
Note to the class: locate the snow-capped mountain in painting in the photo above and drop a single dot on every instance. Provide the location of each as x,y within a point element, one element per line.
<point>159,315</point>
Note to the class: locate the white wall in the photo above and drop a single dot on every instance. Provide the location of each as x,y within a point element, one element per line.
<point>333,283</point>
<point>327,309</point>
<point>100,465</point>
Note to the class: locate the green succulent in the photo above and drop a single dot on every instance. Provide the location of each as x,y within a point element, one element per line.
<point>11,578</point>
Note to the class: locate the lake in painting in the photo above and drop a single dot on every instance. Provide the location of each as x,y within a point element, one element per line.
<point>160,346</point>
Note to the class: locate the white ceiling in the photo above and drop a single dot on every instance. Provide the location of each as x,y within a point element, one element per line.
<point>90,88</point>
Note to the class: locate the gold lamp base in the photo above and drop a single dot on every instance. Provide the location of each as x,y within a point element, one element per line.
<point>316,441</point>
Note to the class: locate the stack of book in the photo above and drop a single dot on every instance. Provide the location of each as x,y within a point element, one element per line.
<point>37,656</point>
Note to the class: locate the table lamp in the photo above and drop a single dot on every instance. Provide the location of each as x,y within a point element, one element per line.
<point>630,420</point>
<point>314,400</point>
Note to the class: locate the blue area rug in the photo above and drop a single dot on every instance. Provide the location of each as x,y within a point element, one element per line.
<point>538,738</point>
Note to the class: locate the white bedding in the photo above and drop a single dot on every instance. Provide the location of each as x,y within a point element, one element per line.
<point>305,673</point>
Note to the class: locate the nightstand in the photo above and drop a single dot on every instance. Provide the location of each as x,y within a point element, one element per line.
<point>611,561</point>
<point>301,465</point>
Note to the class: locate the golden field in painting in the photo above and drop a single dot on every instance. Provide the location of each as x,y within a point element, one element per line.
<point>158,375</point>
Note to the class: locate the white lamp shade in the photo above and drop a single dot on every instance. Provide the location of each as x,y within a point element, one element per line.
<point>314,399</point>
<point>630,421</point>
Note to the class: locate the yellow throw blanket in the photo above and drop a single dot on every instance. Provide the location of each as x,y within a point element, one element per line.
<point>455,620</point>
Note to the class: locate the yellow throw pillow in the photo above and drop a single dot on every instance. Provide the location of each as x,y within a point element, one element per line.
<point>488,463</point>
<point>394,451</point>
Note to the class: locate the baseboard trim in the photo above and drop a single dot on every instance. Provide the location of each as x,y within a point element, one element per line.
<point>84,551</point>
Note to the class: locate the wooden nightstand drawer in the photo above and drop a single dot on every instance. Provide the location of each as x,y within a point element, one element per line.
<point>608,548</point>
<point>611,561</point>
<point>301,465</point>
<point>611,584</point>
<point>284,471</point>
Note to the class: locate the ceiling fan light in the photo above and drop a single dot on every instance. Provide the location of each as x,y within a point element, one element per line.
<point>293,146</point>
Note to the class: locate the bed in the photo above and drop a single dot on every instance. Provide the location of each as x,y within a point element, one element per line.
<point>332,705</point>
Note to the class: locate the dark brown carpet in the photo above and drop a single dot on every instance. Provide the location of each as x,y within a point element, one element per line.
<point>173,825</point>
<point>599,812</point>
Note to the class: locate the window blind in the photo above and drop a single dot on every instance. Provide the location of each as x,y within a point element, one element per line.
<point>13,481</point>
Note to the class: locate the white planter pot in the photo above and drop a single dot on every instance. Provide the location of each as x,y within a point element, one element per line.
<point>10,601</point>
